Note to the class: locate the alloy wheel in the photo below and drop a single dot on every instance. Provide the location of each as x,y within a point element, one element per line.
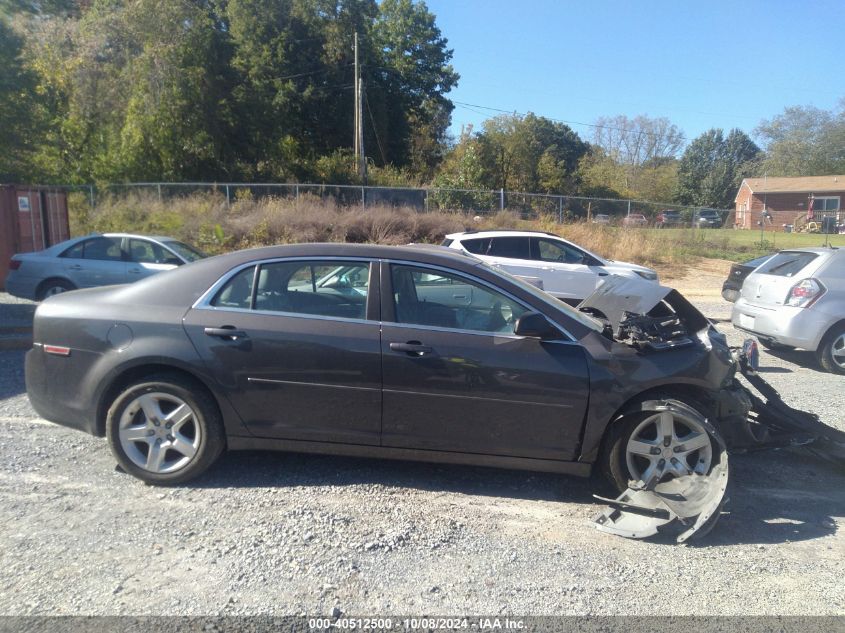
<point>666,445</point>
<point>159,432</point>
<point>837,350</point>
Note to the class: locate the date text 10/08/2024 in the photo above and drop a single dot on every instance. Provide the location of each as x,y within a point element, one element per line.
<point>423,623</point>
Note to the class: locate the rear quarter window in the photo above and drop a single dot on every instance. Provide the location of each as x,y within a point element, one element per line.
<point>786,264</point>
<point>477,246</point>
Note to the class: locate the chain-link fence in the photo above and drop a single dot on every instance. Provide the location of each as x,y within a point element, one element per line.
<point>560,208</point>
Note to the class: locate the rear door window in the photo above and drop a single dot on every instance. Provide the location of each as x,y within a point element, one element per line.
<point>510,247</point>
<point>787,263</point>
<point>322,288</point>
<point>99,248</point>
<point>237,292</point>
<point>477,246</point>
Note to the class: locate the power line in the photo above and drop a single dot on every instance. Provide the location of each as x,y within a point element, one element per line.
<point>375,131</point>
<point>471,106</point>
<point>314,72</point>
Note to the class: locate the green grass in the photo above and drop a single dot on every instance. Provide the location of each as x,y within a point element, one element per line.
<point>737,245</point>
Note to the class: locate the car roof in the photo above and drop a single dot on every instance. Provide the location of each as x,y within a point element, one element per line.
<point>157,238</point>
<point>500,233</point>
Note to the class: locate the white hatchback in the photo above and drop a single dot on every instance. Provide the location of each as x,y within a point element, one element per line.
<point>797,299</point>
<point>563,269</point>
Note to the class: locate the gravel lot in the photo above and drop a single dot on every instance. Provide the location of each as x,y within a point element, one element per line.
<point>288,534</point>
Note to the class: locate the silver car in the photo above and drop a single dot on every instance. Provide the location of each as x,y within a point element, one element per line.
<point>94,260</point>
<point>797,299</point>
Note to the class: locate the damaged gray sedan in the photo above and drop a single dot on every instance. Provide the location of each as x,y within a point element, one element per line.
<point>408,353</point>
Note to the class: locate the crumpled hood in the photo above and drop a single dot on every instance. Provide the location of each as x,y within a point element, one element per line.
<point>618,295</point>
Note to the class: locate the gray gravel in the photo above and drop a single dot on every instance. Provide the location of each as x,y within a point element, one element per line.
<point>288,534</point>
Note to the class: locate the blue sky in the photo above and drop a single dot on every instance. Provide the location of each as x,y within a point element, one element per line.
<point>711,63</point>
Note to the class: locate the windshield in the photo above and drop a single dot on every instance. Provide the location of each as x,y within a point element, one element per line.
<point>549,300</point>
<point>188,253</point>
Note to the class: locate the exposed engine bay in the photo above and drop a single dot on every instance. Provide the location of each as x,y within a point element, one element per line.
<point>670,497</point>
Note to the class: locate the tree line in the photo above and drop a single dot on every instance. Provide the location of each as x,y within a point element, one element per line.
<point>262,90</point>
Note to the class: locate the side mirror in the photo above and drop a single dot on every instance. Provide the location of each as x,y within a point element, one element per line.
<point>535,325</point>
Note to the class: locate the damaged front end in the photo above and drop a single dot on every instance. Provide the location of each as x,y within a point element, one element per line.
<point>672,495</point>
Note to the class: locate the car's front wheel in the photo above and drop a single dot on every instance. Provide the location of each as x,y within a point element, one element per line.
<point>658,445</point>
<point>831,352</point>
<point>165,429</point>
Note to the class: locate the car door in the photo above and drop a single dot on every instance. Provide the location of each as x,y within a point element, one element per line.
<point>567,272</point>
<point>95,262</point>
<point>511,253</point>
<point>456,378</point>
<point>297,360</point>
<point>146,258</point>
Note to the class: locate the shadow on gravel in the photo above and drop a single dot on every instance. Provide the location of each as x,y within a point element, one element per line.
<point>774,370</point>
<point>267,469</point>
<point>780,497</point>
<point>802,358</point>
<point>776,497</point>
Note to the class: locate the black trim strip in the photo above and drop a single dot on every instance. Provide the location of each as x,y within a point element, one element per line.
<point>309,384</point>
<point>454,395</point>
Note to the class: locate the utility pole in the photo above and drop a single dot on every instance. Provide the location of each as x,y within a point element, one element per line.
<point>358,87</point>
<point>355,90</point>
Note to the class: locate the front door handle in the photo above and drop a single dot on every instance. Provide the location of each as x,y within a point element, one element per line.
<point>603,274</point>
<point>134,271</point>
<point>75,267</point>
<point>227,331</point>
<point>412,348</point>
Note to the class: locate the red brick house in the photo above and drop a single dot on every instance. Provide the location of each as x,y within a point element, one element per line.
<point>787,200</point>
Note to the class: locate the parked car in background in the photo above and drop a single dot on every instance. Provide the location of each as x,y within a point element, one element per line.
<point>797,299</point>
<point>601,218</point>
<point>94,260</point>
<point>565,270</point>
<point>635,220</point>
<point>708,219</point>
<point>668,218</point>
<point>733,284</point>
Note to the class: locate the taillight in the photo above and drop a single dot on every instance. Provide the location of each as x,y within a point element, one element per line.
<point>805,293</point>
<point>14,264</point>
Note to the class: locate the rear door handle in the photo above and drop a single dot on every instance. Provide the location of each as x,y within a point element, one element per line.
<point>412,348</point>
<point>603,274</point>
<point>134,271</point>
<point>75,267</point>
<point>227,332</point>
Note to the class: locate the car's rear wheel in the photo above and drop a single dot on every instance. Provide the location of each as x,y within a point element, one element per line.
<point>657,444</point>
<point>831,352</point>
<point>165,429</point>
<point>50,287</point>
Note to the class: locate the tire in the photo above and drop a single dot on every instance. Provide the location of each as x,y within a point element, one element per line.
<point>50,287</point>
<point>165,429</point>
<point>615,454</point>
<point>831,352</point>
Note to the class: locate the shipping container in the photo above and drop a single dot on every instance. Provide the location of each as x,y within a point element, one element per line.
<point>32,218</point>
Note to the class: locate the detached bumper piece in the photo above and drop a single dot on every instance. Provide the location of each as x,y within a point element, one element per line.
<point>774,424</point>
<point>688,506</point>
